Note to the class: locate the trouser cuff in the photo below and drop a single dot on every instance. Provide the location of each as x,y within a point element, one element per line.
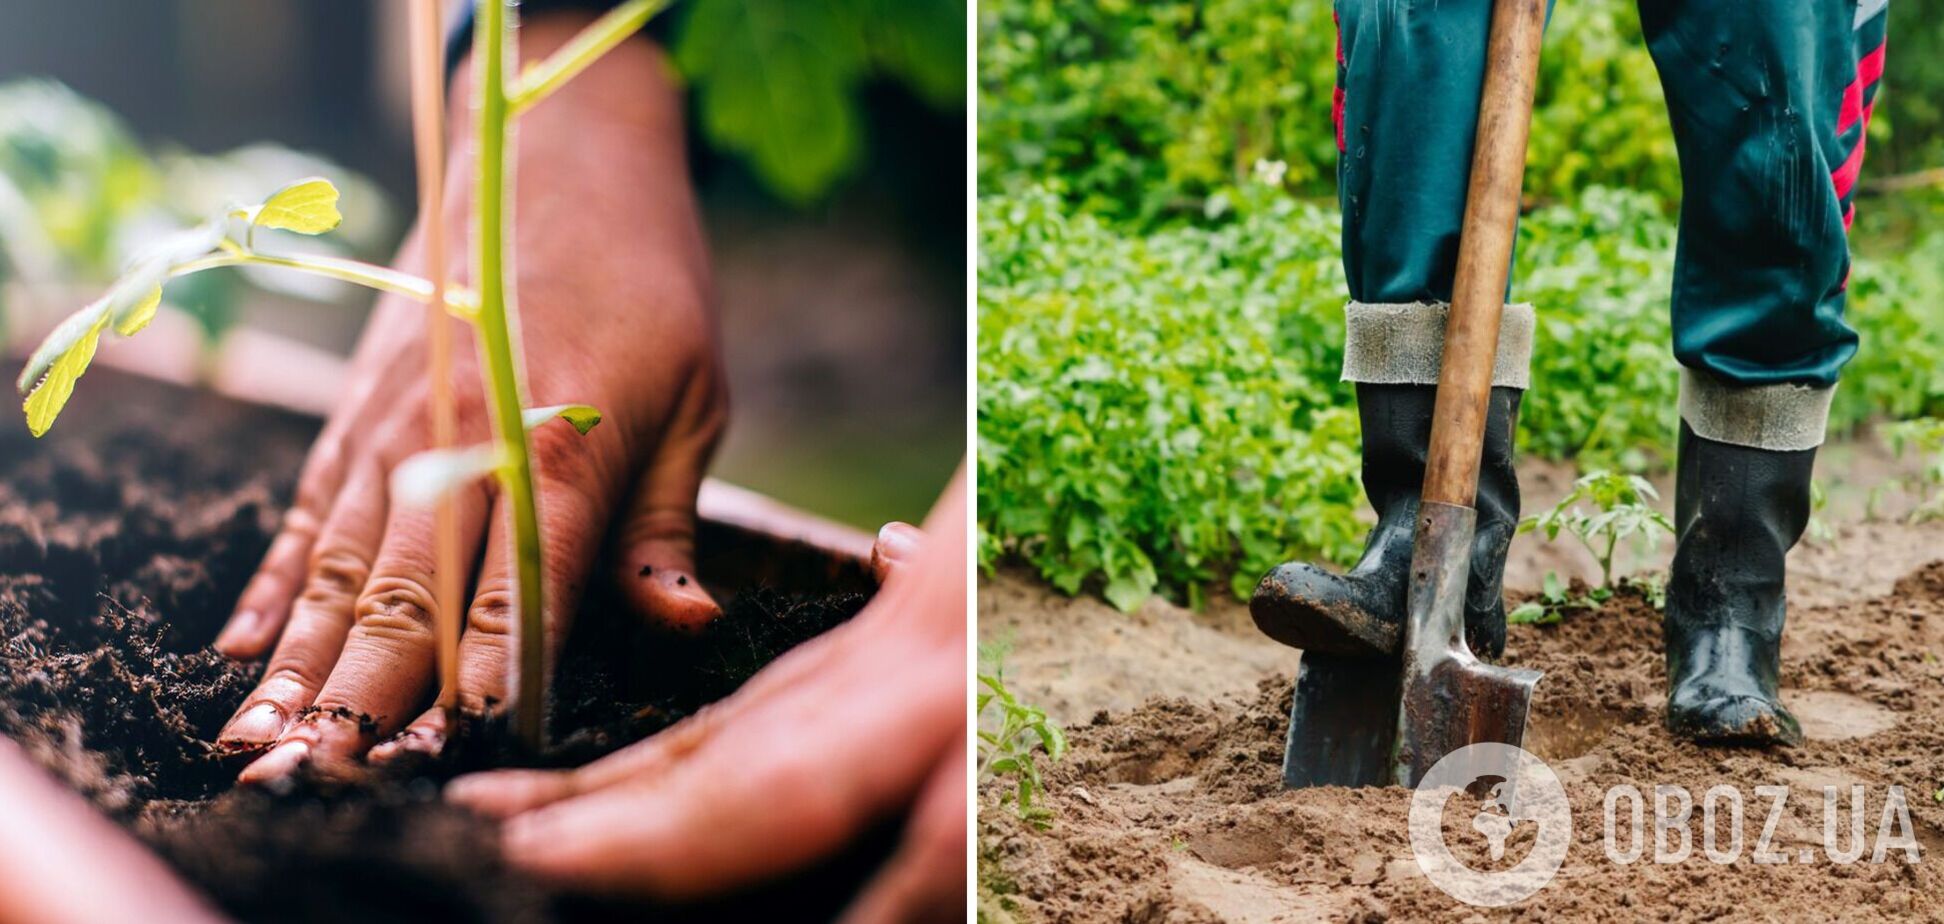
<point>1781,417</point>
<point>1403,344</point>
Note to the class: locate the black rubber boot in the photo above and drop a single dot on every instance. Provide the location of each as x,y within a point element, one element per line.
<point>1737,512</point>
<point>1362,612</point>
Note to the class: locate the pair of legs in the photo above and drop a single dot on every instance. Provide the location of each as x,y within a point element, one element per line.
<point>1769,100</point>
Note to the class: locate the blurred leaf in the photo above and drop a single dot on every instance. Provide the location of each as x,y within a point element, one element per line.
<point>427,477</point>
<point>775,79</point>
<point>584,417</point>
<point>308,206</point>
<point>73,348</point>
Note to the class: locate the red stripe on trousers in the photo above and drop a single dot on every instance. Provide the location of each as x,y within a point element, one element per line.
<point>1336,98</point>
<point>1845,176</point>
<point>1868,71</point>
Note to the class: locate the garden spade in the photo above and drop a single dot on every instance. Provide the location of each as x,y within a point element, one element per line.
<point>1361,715</point>
<point>1449,698</point>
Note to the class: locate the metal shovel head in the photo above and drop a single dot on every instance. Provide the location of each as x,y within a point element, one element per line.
<point>1342,721</point>
<point>1450,699</point>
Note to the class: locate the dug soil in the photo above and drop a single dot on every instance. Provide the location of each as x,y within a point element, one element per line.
<point>127,534</point>
<point>1169,807</point>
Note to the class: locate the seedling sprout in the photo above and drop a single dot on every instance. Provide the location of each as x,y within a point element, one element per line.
<point>310,206</point>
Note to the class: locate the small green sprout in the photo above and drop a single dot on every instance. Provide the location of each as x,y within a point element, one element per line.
<point>1923,436</point>
<point>1024,732</point>
<point>1623,513</point>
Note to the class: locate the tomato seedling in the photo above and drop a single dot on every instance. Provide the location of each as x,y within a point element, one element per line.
<point>310,206</point>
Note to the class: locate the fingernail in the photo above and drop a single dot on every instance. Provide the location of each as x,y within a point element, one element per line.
<point>282,761</point>
<point>241,627</point>
<point>412,741</point>
<point>260,724</point>
<point>899,541</point>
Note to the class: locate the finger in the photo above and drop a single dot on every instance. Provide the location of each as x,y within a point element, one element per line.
<point>265,603</point>
<point>656,567</point>
<point>339,564</point>
<point>424,738</point>
<point>925,879</point>
<point>715,820</point>
<point>388,666</point>
<point>505,793</point>
<point>573,520</point>
<point>897,544</point>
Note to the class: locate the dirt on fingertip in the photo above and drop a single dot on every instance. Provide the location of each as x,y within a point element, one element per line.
<point>125,537</point>
<point>1172,810</point>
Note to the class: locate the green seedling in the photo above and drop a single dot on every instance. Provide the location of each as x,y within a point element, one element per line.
<point>1924,437</point>
<point>1012,749</point>
<point>310,206</point>
<point>1622,516</point>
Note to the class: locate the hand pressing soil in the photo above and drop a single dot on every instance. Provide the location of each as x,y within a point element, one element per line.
<point>122,543</point>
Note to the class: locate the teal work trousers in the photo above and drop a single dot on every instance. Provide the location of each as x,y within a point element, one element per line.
<point>1769,101</point>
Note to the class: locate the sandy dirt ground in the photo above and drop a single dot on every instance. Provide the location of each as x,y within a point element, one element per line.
<point>1169,807</point>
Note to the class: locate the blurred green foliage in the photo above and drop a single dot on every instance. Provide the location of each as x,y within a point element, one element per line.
<point>1154,410</point>
<point>1161,411</point>
<point>79,195</point>
<point>1161,312</point>
<point>1140,110</point>
<point>778,79</point>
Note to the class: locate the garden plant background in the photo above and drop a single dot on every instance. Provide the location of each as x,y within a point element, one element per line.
<point>1160,293</point>
<point>815,129</point>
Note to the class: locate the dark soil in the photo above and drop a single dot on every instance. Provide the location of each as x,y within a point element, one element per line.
<point>126,535</point>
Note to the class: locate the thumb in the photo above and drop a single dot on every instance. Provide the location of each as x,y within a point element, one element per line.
<point>897,544</point>
<point>656,565</point>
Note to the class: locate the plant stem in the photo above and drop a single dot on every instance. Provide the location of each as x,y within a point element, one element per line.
<point>496,335</point>
<point>428,137</point>
<point>586,48</point>
<point>356,272</point>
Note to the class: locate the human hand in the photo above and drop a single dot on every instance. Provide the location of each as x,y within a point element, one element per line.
<point>613,282</point>
<point>60,860</point>
<point>790,767</point>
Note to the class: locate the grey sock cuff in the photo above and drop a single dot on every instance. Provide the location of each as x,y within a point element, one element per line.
<point>1782,418</point>
<point>1403,344</point>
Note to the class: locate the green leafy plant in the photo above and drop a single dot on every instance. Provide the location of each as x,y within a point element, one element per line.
<point>1159,413</point>
<point>1162,410</point>
<point>309,206</point>
<point>1014,749</point>
<point>1622,511</point>
<point>778,80</point>
<point>1924,438</point>
<point>1018,737</point>
<point>1622,514</point>
<point>1555,600</point>
<point>1141,111</point>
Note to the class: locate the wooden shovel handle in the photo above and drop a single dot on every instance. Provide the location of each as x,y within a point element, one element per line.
<point>1484,251</point>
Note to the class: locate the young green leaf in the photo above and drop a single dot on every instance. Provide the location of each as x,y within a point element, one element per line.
<point>140,314</point>
<point>584,417</point>
<point>425,478</point>
<point>308,206</point>
<point>77,338</point>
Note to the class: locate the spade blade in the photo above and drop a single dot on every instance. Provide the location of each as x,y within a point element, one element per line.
<point>1342,721</point>
<point>1450,699</point>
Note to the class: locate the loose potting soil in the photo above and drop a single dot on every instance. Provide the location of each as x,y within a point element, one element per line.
<point>126,536</point>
